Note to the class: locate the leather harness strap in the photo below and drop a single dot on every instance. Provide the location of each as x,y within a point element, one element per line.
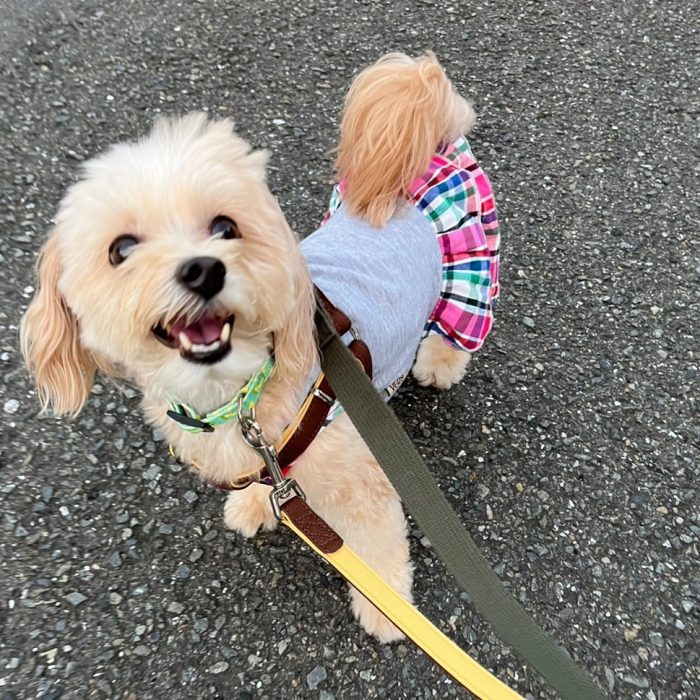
<point>322,395</point>
<point>312,415</point>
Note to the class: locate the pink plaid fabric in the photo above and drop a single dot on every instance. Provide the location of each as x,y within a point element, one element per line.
<point>456,196</point>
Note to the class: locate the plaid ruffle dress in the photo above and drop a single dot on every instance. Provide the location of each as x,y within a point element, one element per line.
<point>456,196</point>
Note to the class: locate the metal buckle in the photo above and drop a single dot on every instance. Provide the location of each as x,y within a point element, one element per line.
<point>319,393</point>
<point>283,488</point>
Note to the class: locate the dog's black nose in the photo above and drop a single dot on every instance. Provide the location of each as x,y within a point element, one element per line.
<point>204,276</point>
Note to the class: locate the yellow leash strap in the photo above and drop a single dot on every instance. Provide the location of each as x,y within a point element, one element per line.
<point>313,530</point>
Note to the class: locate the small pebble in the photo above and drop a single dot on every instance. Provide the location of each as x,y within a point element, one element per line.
<point>11,406</point>
<point>219,667</point>
<point>482,491</point>
<point>610,678</point>
<point>469,634</point>
<point>316,677</point>
<point>182,571</point>
<point>656,639</point>
<point>201,625</point>
<point>152,472</point>
<point>75,598</point>
<point>630,633</point>
<point>635,680</point>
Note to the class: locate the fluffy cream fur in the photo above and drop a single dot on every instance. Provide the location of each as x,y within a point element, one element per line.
<point>165,190</point>
<point>397,112</point>
<point>438,364</point>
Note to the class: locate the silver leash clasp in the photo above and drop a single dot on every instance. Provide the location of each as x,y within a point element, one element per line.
<point>283,487</point>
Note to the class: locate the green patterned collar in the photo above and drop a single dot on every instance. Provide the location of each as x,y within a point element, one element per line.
<point>191,421</point>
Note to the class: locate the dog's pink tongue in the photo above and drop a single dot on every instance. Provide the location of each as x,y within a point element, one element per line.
<point>203,331</point>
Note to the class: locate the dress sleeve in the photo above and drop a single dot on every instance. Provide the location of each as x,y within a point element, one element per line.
<point>463,315</point>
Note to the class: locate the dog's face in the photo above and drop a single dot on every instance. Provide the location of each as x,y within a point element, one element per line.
<point>171,261</point>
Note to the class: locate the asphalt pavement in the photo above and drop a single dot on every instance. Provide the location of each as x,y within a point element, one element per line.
<point>570,451</point>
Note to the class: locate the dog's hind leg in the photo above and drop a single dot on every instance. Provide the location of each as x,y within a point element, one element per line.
<point>439,364</point>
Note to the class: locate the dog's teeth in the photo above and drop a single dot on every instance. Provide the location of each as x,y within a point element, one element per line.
<point>185,342</point>
<point>225,332</point>
<point>205,348</point>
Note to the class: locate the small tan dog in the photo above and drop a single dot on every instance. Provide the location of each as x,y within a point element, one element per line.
<point>171,264</point>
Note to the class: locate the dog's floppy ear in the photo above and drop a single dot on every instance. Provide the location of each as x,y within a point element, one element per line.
<point>295,346</point>
<point>50,339</point>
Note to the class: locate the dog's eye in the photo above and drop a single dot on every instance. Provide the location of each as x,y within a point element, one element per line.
<point>223,227</point>
<point>121,248</point>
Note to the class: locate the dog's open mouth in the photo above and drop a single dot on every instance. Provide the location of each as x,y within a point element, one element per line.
<point>206,340</point>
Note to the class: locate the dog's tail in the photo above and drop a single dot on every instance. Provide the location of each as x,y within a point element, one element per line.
<point>397,114</point>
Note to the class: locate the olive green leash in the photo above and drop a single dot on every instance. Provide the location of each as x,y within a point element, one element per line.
<point>424,500</point>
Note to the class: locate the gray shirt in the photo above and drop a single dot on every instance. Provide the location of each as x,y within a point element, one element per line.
<point>386,281</point>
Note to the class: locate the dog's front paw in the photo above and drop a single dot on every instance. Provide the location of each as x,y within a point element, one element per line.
<point>438,364</point>
<point>248,510</point>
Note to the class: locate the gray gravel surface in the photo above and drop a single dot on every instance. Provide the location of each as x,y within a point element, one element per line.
<point>570,452</point>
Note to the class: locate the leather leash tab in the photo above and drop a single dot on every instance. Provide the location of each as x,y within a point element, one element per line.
<point>312,525</point>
